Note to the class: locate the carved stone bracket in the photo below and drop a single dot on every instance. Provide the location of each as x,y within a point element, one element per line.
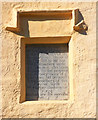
<point>79,23</point>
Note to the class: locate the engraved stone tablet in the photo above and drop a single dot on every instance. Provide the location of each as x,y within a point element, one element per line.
<point>47,72</point>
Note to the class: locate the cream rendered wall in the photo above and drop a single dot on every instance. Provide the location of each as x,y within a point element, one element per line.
<point>82,63</point>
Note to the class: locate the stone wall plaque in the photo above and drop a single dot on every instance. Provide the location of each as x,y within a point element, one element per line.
<point>46,72</point>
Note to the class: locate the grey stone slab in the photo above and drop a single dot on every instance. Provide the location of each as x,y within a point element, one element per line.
<point>47,72</point>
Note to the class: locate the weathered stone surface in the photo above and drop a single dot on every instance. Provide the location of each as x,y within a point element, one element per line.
<point>82,66</point>
<point>46,72</point>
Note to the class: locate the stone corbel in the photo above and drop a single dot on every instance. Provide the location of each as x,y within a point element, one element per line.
<point>79,23</point>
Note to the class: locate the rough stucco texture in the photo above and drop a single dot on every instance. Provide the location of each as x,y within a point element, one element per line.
<point>82,64</point>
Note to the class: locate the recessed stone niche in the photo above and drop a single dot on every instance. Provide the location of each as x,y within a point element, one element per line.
<point>44,68</point>
<point>46,72</point>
